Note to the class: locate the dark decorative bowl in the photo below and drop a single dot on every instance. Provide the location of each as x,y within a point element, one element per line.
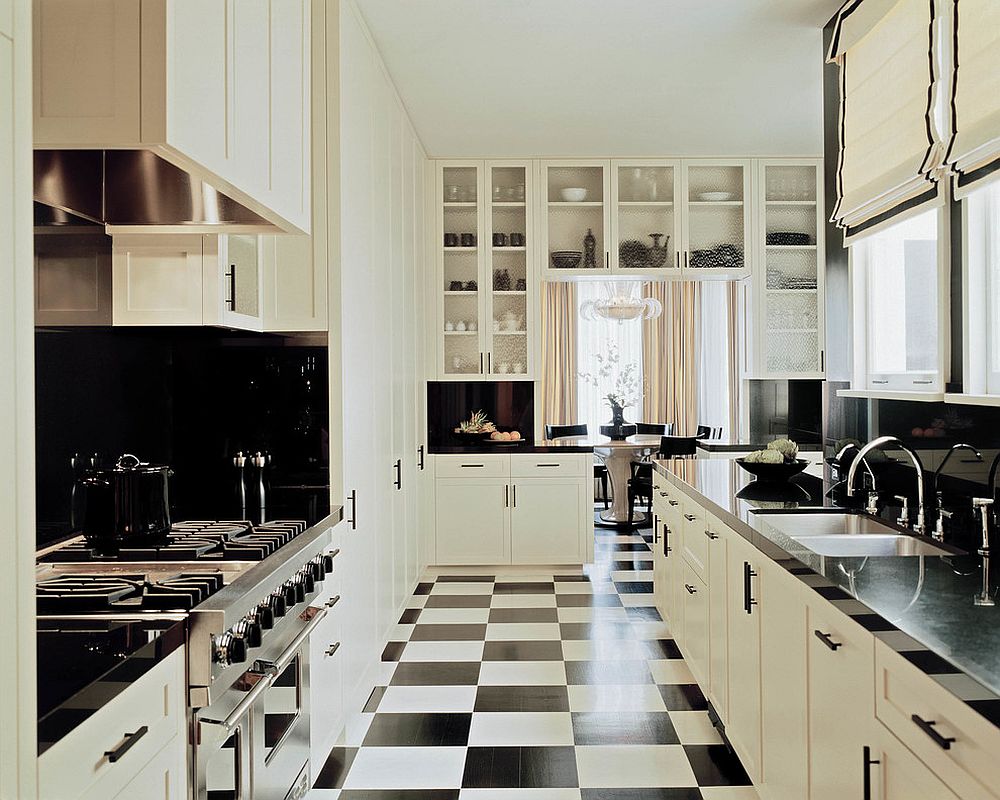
<point>774,473</point>
<point>566,259</point>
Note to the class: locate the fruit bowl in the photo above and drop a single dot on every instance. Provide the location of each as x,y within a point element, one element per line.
<point>774,473</point>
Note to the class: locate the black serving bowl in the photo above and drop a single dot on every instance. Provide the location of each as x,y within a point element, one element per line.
<point>774,473</point>
<point>566,259</point>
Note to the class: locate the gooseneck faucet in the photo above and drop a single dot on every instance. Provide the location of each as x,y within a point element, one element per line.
<point>872,507</point>
<point>984,598</point>
<point>880,442</point>
<point>942,513</point>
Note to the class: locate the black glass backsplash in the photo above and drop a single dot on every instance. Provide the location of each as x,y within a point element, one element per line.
<point>790,408</point>
<point>508,404</point>
<point>187,397</point>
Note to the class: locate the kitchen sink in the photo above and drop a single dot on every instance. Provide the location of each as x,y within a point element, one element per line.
<point>841,534</point>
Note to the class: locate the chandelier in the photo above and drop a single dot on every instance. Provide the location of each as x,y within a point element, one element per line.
<point>622,301</point>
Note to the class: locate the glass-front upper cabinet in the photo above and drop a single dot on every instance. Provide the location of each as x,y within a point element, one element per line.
<point>575,236</point>
<point>717,220</point>
<point>646,198</point>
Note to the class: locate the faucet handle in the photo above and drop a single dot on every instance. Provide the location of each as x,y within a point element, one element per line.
<point>872,507</point>
<point>982,502</point>
<point>904,514</point>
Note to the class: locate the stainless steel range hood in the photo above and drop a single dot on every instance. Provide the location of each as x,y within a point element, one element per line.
<point>136,189</point>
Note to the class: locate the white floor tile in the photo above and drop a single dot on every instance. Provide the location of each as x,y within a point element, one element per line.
<point>729,793</point>
<point>694,727</point>
<point>522,631</point>
<point>652,630</point>
<point>603,697</point>
<point>522,673</point>
<point>584,587</point>
<point>472,587</point>
<point>438,616</point>
<point>592,614</point>
<point>427,699</point>
<point>407,768</point>
<point>385,671</point>
<point>633,600</point>
<point>630,575</point>
<point>519,794</point>
<point>325,794</point>
<point>634,766</point>
<point>603,650</point>
<point>400,633</point>
<point>443,651</point>
<point>671,670</point>
<point>501,729</point>
<point>417,601</point>
<point>524,601</point>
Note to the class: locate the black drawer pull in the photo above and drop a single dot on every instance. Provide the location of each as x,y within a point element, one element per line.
<point>690,517</point>
<point>126,745</point>
<point>333,601</point>
<point>546,465</point>
<point>825,639</point>
<point>927,726</point>
<point>663,494</point>
<point>748,600</point>
<point>690,588</point>
<point>868,761</point>
<point>333,648</point>
<point>470,466</point>
<point>672,502</point>
<point>711,535</point>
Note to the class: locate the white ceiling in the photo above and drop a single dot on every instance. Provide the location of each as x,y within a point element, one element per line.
<point>520,78</point>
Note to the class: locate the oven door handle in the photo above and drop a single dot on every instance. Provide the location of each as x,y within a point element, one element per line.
<point>232,719</point>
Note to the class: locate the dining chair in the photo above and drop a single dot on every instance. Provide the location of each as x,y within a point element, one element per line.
<point>674,446</point>
<point>640,485</point>
<point>708,432</point>
<point>654,428</point>
<point>572,432</point>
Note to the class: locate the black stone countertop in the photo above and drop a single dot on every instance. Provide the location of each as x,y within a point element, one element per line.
<point>730,446</point>
<point>545,446</point>
<point>928,598</point>
<point>85,663</point>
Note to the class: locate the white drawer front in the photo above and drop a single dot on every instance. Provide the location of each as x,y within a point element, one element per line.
<point>544,465</point>
<point>695,538</point>
<point>949,737</point>
<point>478,465</point>
<point>78,761</point>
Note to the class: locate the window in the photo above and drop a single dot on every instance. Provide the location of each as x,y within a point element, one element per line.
<point>898,277</point>
<point>600,338</point>
<point>982,290</point>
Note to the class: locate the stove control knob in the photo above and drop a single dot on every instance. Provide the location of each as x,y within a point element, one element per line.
<point>237,649</point>
<point>250,630</point>
<point>290,597</point>
<point>316,567</point>
<point>299,588</point>
<point>277,603</point>
<point>328,563</point>
<point>305,579</point>
<point>265,616</point>
<point>229,648</point>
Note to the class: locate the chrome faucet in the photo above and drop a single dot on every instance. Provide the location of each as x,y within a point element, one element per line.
<point>920,527</point>
<point>984,598</point>
<point>942,513</point>
<point>872,507</point>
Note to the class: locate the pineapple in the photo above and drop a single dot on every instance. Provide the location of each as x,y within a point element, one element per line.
<point>478,422</point>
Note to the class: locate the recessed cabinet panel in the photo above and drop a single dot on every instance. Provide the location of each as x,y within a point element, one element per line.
<point>745,609</point>
<point>250,40</point>
<point>157,280</point>
<point>472,521</point>
<point>72,281</point>
<point>545,520</point>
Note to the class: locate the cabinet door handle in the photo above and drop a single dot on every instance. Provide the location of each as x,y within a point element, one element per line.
<point>231,300</point>
<point>607,259</point>
<point>826,639</point>
<point>480,363</point>
<point>672,502</point>
<point>420,458</point>
<point>489,363</point>
<point>663,494</point>
<point>506,496</point>
<point>398,467</point>
<point>690,588</point>
<point>711,535</point>
<point>690,517</point>
<point>332,601</point>
<point>514,495</point>
<point>656,530</point>
<point>127,744</point>
<point>678,254</point>
<point>352,498</point>
<point>333,648</point>
<point>927,726</point>
<point>685,259</point>
<point>666,548</point>
<point>748,600</point>
<point>867,762</point>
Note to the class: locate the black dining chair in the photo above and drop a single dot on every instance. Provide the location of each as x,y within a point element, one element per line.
<point>573,431</point>
<point>640,486</point>
<point>654,428</point>
<point>676,446</point>
<point>708,432</point>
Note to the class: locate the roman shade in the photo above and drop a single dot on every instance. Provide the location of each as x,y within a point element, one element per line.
<point>975,151</point>
<point>891,143</point>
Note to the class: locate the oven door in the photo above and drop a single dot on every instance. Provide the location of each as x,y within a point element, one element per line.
<point>222,760</point>
<point>280,729</point>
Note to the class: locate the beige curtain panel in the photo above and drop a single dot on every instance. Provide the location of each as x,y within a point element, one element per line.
<point>559,370</point>
<point>669,357</point>
<point>892,135</point>
<point>976,92</point>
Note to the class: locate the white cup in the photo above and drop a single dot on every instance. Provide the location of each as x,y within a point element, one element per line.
<point>460,326</point>
<point>449,326</point>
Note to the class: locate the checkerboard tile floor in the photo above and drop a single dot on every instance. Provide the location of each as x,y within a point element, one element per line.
<point>537,687</point>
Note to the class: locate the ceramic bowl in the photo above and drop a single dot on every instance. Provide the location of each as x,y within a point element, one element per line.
<point>566,260</point>
<point>774,473</point>
<point>573,194</point>
<point>715,197</point>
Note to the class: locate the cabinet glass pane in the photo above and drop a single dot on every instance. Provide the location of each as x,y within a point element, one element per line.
<point>243,290</point>
<point>461,271</point>
<point>509,259</point>
<point>575,208</point>
<point>715,217</point>
<point>645,217</point>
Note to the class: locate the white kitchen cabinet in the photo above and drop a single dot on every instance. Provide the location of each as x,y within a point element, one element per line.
<point>696,622</point>
<point>646,201</point>
<point>716,220</point>
<point>219,88</point>
<point>7,18</point>
<point>746,604</point>
<point>473,524</point>
<point>237,278</point>
<point>894,773</point>
<point>574,201</point>
<point>154,766</point>
<point>294,284</point>
<point>72,280</point>
<point>158,279</point>
<point>326,663</point>
<point>785,301</point>
<point>546,517</point>
<point>717,687</point>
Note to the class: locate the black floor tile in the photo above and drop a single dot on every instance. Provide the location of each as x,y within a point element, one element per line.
<point>399,794</point>
<point>524,615</point>
<point>334,770</point>
<point>682,697</point>
<point>643,614</point>
<point>632,566</point>
<point>716,765</point>
<point>423,588</point>
<point>520,767</point>
<point>436,673</point>
<point>638,794</point>
<point>661,648</point>
<point>371,705</point>
<point>580,600</point>
<point>525,587</point>
<point>522,698</point>
<point>634,587</point>
<point>419,730</point>
<point>623,727</point>
<point>466,578</point>
<point>571,578</point>
<point>523,651</point>
<point>630,547</point>
<point>448,633</point>
<point>392,651</point>
<point>458,601</point>
<point>607,672</point>
<point>409,616</point>
<point>596,630</point>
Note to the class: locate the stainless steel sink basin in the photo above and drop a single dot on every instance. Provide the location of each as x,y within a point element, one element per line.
<point>838,534</point>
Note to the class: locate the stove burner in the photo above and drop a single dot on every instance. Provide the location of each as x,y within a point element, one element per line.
<point>124,593</point>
